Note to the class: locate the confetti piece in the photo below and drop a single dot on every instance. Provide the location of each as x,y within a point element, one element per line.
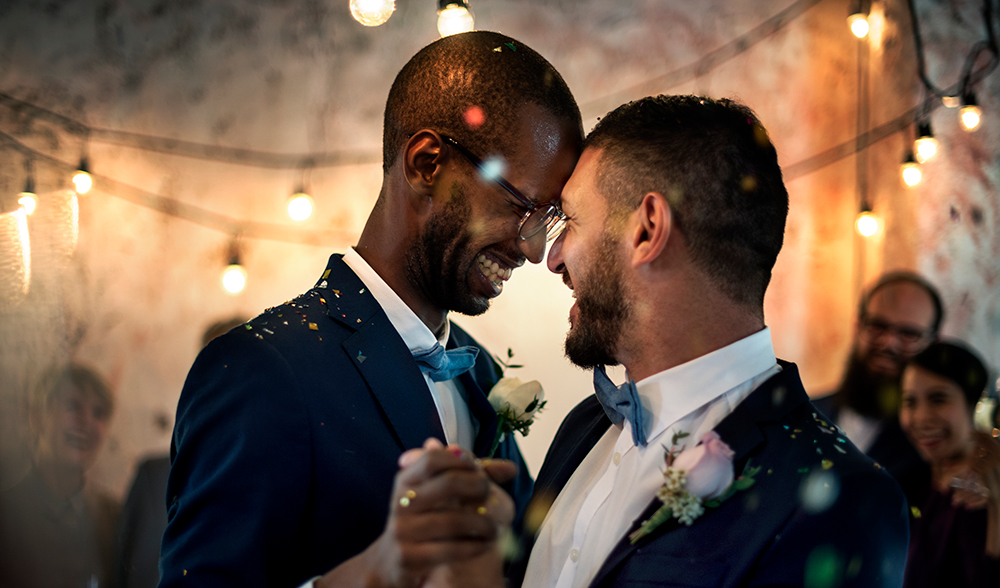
<point>326,274</point>
<point>359,320</point>
<point>827,464</point>
<point>793,436</point>
<point>337,293</point>
<point>474,117</point>
<point>837,447</point>
<point>361,358</point>
<point>248,327</point>
<point>322,300</point>
<point>915,512</point>
<point>498,49</point>
<point>511,45</point>
<point>313,327</point>
<point>803,470</point>
<point>361,291</point>
<point>269,331</point>
<point>785,426</point>
<point>322,284</point>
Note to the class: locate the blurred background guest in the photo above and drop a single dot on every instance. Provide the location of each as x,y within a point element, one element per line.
<point>899,316</point>
<point>144,516</point>
<point>955,530</point>
<point>55,531</point>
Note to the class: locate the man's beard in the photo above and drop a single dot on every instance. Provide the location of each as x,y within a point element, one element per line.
<point>603,308</point>
<point>875,396</point>
<point>439,262</point>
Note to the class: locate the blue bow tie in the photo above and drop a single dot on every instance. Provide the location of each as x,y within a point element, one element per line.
<point>620,403</point>
<point>444,365</point>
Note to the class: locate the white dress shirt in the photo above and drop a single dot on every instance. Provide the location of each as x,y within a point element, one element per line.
<point>617,480</point>
<point>451,405</point>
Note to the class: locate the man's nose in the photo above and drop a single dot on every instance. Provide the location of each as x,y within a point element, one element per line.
<point>555,260</point>
<point>533,247</point>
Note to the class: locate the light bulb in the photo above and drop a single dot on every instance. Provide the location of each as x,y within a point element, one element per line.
<point>28,201</point>
<point>867,223</point>
<point>234,278</point>
<point>859,24</point>
<point>372,13</point>
<point>926,146</point>
<point>910,171</point>
<point>82,181</point>
<point>300,206</point>
<point>455,17</point>
<point>971,117</point>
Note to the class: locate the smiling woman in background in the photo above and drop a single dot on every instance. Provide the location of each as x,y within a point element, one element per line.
<point>55,532</point>
<point>955,531</point>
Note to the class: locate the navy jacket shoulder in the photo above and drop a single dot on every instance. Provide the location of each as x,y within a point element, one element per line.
<point>818,511</point>
<point>287,434</point>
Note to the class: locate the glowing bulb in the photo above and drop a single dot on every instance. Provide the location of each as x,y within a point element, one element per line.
<point>372,13</point>
<point>859,25</point>
<point>867,224</point>
<point>971,117</point>
<point>234,278</point>
<point>926,145</point>
<point>911,172</point>
<point>300,206</point>
<point>82,181</point>
<point>28,201</point>
<point>456,17</point>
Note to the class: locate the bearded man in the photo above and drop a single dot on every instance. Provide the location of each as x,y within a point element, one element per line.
<point>709,466</point>
<point>289,428</point>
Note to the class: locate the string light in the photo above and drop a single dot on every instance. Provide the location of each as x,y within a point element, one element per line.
<point>867,223</point>
<point>27,198</point>
<point>372,13</point>
<point>234,277</point>
<point>454,17</point>
<point>926,146</point>
<point>82,179</point>
<point>970,114</point>
<point>910,171</point>
<point>857,20</point>
<point>300,205</point>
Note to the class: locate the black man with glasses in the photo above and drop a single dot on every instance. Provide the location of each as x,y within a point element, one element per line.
<point>290,428</point>
<point>898,317</point>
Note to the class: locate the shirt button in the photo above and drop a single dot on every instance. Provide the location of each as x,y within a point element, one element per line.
<point>617,458</point>
<point>574,554</point>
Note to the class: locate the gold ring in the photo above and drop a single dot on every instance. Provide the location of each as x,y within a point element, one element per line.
<point>404,501</point>
<point>481,510</point>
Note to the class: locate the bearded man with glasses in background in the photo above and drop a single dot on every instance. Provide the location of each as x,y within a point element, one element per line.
<point>899,316</point>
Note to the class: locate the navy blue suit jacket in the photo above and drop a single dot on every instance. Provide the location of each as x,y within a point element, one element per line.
<point>763,536</point>
<point>287,435</point>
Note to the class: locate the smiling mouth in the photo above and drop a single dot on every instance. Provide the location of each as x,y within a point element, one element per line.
<point>494,270</point>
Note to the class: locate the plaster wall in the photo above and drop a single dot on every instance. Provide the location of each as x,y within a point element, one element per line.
<point>300,76</point>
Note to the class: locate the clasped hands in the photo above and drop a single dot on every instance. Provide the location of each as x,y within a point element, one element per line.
<point>446,517</point>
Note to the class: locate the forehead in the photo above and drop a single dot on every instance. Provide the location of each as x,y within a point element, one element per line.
<point>918,380</point>
<point>545,149</point>
<point>902,303</point>
<point>581,190</point>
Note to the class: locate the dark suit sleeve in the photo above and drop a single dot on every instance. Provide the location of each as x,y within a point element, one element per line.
<point>240,471</point>
<point>860,541</point>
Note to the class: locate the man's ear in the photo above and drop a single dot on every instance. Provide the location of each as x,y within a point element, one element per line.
<point>651,224</point>
<point>423,158</point>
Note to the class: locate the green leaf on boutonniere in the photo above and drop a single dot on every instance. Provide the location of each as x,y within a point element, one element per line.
<point>659,517</point>
<point>678,436</point>
<point>745,481</point>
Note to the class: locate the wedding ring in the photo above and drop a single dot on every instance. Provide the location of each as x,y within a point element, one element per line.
<point>481,510</point>
<point>404,501</point>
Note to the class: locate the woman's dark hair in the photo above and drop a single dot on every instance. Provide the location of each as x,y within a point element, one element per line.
<point>958,363</point>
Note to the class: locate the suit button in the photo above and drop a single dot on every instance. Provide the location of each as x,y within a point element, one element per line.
<point>617,458</point>
<point>574,554</point>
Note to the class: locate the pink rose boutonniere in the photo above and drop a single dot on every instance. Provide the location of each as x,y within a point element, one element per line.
<point>696,478</point>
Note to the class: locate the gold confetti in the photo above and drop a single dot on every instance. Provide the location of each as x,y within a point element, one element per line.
<point>326,274</point>
<point>827,464</point>
<point>313,327</point>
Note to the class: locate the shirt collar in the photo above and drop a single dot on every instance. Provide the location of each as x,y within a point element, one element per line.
<point>674,393</point>
<point>411,329</point>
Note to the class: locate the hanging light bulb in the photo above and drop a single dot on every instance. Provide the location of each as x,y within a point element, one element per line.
<point>234,277</point>
<point>970,113</point>
<point>27,199</point>
<point>454,17</point>
<point>82,179</point>
<point>372,13</point>
<point>300,205</point>
<point>858,21</point>
<point>867,223</point>
<point>926,145</point>
<point>910,170</point>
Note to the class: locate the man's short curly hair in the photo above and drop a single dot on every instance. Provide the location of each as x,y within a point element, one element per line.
<point>478,70</point>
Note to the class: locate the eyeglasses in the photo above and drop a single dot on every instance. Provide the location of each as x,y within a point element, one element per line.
<point>906,335</point>
<point>540,218</point>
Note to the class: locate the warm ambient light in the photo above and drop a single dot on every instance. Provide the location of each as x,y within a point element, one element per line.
<point>859,24</point>
<point>234,278</point>
<point>27,198</point>
<point>454,17</point>
<point>867,223</point>
<point>910,171</point>
<point>82,179</point>
<point>926,146</point>
<point>300,206</point>
<point>15,257</point>
<point>372,13</point>
<point>970,113</point>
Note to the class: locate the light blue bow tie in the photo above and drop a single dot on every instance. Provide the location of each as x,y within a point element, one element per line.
<point>444,364</point>
<point>620,403</point>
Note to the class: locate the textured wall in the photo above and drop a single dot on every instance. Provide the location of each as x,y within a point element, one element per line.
<point>300,76</point>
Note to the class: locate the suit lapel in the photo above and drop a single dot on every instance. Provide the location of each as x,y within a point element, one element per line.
<point>380,355</point>
<point>770,402</point>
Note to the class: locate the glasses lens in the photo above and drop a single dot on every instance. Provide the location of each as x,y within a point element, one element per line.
<point>546,219</point>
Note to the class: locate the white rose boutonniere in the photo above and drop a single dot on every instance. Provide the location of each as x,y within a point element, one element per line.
<point>700,477</point>
<point>516,403</point>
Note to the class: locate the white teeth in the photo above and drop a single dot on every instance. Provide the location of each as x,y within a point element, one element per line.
<point>493,271</point>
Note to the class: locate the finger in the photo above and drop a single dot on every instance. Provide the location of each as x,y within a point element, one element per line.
<point>499,507</point>
<point>421,557</point>
<point>410,457</point>
<point>499,470</point>
<point>437,526</point>
<point>451,489</point>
